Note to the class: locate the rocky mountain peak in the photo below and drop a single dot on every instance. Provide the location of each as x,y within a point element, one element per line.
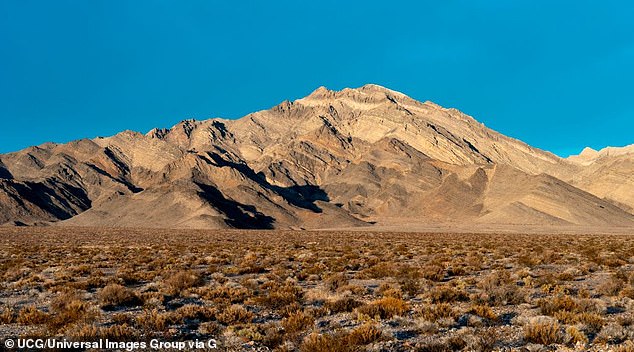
<point>332,159</point>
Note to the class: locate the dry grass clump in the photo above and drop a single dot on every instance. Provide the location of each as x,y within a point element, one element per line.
<point>68,308</point>
<point>30,315</point>
<point>7,316</point>
<point>347,304</point>
<point>433,272</point>
<point>483,312</point>
<point>280,296</point>
<point>447,294</point>
<point>179,282</point>
<point>575,336</point>
<point>543,331</point>
<point>364,334</point>
<point>115,295</point>
<point>611,286</point>
<point>628,346</point>
<point>235,314</point>
<point>435,312</point>
<point>341,341</point>
<point>550,306</point>
<point>209,328</point>
<point>325,343</point>
<point>297,322</point>
<point>153,320</point>
<point>499,289</point>
<point>336,281</point>
<point>224,293</point>
<point>384,308</point>
<point>90,332</point>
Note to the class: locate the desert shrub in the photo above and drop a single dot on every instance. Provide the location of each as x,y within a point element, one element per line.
<point>483,312</point>
<point>289,309</point>
<point>390,290</point>
<point>297,322</point>
<point>628,346</point>
<point>123,318</point>
<point>456,270</point>
<point>342,341</point>
<point>153,320</point>
<point>280,296</point>
<point>363,335</point>
<point>543,331</point>
<point>566,317</point>
<point>625,321</point>
<point>433,272</point>
<point>411,286</point>
<point>611,286</point>
<point>499,289</point>
<point>568,274</point>
<point>440,346</point>
<point>627,291</point>
<point>129,276</point>
<point>30,315</point>
<point>88,332</point>
<point>181,281</point>
<point>409,279</point>
<point>115,295</point>
<point>235,314</point>
<point>550,306</point>
<point>384,308</point>
<point>447,294</point>
<point>209,328</point>
<point>325,343</point>
<point>7,316</point>
<point>197,312</point>
<point>336,281</point>
<point>485,340</point>
<point>456,343</point>
<point>228,293</point>
<point>68,308</point>
<point>575,336</point>
<point>381,270</point>
<point>250,265</point>
<point>593,322</point>
<point>435,312</point>
<point>342,305</point>
<point>611,334</point>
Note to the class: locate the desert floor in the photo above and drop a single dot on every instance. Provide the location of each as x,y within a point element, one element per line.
<point>321,291</point>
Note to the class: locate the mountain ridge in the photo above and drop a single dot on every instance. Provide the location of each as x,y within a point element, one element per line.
<point>344,158</point>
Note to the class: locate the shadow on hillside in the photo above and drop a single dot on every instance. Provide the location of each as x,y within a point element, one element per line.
<point>240,216</point>
<point>299,196</point>
<point>4,173</point>
<point>123,181</point>
<point>61,200</point>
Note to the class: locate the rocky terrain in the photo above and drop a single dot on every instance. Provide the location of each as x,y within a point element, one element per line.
<point>334,159</point>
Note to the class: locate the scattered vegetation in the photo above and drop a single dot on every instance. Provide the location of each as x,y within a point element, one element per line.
<point>330,291</point>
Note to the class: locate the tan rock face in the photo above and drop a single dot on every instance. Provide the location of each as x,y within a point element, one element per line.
<point>608,174</point>
<point>332,159</point>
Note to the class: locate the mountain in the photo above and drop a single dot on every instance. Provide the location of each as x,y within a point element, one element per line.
<point>608,173</point>
<point>333,159</point>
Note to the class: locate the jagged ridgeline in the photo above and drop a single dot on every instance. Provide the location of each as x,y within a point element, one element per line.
<point>333,159</point>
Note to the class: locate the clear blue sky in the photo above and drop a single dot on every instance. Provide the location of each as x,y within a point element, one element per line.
<point>557,74</point>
